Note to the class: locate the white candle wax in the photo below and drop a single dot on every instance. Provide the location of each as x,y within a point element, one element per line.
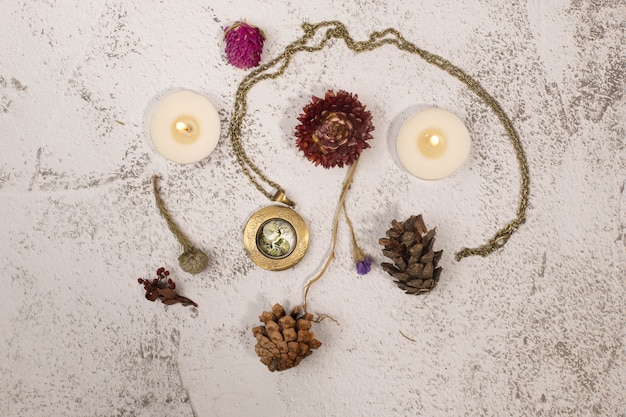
<point>433,143</point>
<point>185,127</point>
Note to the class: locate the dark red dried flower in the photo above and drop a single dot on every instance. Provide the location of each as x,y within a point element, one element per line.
<point>163,288</point>
<point>333,131</point>
<point>244,45</point>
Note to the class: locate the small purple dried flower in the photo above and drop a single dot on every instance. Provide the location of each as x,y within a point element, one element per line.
<point>364,266</point>
<point>362,261</point>
<point>244,45</point>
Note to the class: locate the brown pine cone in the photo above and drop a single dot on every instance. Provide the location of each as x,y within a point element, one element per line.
<point>284,340</point>
<point>410,246</point>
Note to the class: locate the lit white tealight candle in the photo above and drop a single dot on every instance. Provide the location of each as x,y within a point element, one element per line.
<point>185,127</point>
<point>433,143</point>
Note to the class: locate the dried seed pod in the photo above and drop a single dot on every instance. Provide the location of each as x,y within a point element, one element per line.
<point>409,245</point>
<point>193,260</point>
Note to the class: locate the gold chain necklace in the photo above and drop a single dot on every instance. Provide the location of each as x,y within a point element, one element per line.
<point>335,29</point>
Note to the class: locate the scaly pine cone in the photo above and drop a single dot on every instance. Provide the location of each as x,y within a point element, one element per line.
<point>410,246</point>
<point>284,340</point>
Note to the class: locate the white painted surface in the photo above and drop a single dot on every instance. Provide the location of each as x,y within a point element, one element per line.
<point>536,329</point>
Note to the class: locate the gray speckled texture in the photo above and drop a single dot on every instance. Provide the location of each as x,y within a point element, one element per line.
<point>536,329</point>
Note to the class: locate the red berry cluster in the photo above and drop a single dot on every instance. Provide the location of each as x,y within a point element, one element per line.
<point>162,281</point>
<point>163,288</point>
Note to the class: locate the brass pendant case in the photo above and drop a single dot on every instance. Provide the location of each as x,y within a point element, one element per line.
<point>276,238</point>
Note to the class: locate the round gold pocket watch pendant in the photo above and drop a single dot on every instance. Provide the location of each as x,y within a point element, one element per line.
<point>276,238</point>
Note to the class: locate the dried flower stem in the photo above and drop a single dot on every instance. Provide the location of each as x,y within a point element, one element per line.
<point>323,317</point>
<point>362,262</point>
<point>178,234</point>
<point>357,253</point>
<point>192,260</point>
<point>407,337</point>
<point>346,186</point>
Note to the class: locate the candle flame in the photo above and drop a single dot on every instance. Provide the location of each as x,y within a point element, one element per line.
<point>183,127</point>
<point>432,143</point>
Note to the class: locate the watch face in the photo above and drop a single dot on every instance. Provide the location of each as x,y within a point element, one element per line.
<point>276,238</point>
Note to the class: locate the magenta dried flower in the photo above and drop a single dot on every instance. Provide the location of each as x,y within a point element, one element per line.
<point>244,45</point>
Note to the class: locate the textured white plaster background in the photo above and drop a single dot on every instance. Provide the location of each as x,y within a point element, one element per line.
<point>537,328</point>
